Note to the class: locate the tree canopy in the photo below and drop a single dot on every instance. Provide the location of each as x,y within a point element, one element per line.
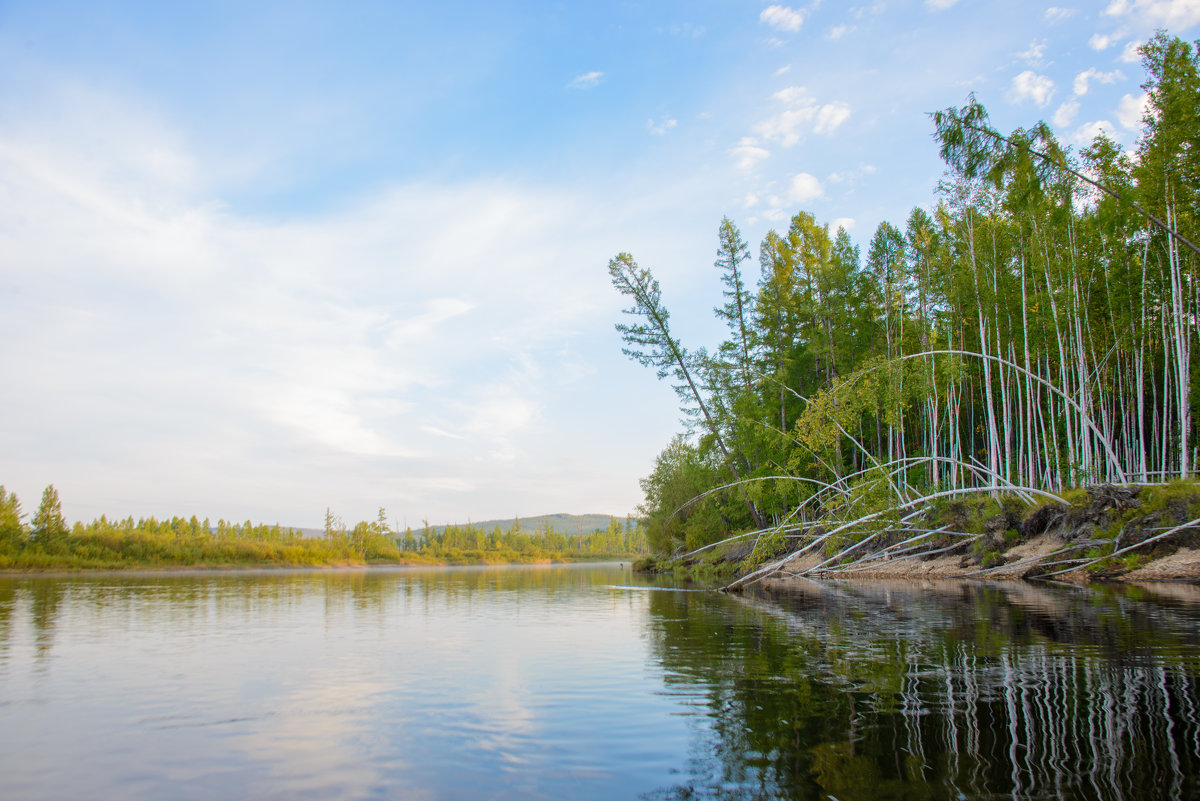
<point>1032,331</point>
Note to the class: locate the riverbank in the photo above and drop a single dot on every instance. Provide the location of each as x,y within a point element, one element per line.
<point>1020,563</point>
<point>1099,533</point>
<point>68,567</point>
<point>47,543</point>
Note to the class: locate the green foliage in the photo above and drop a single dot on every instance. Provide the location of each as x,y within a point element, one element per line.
<point>1175,502</point>
<point>987,554</point>
<point>12,530</point>
<point>149,542</point>
<point>1133,561</point>
<point>1036,329</point>
<point>675,514</point>
<point>48,527</point>
<point>766,546</point>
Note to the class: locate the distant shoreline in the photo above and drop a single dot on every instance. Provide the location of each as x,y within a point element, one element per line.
<point>202,569</point>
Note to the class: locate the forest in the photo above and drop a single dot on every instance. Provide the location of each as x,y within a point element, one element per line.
<point>47,542</point>
<point>1031,334</point>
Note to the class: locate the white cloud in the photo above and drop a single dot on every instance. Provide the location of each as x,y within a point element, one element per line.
<point>939,5</point>
<point>687,30</point>
<point>1130,111</point>
<point>1057,14</point>
<point>784,70</point>
<point>1130,54</point>
<point>782,18</point>
<point>851,176</point>
<point>793,96</point>
<point>1065,114</point>
<point>784,128</point>
<point>838,31</point>
<point>803,114</point>
<point>1035,52</point>
<point>497,414</point>
<point>841,222</point>
<point>1085,133</point>
<point>872,10</point>
<point>586,81</point>
<point>1103,41</point>
<point>415,327</point>
<point>343,356</point>
<point>437,432</point>
<point>748,153</point>
<point>1031,86</point>
<point>1171,14</point>
<point>1093,74</point>
<point>803,188</point>
<point>661,126</point>
<point>830,117</point>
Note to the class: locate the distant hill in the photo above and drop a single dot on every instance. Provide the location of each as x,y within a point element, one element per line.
<point>568,524</point>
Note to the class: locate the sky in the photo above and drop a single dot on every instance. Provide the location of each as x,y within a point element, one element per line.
<point>259,260</point>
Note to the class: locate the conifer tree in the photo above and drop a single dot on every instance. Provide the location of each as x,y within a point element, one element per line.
<point>650,342</point>
<point>47,525</point>
<point>12,530</point>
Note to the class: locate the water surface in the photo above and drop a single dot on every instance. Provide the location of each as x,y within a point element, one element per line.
<point>571,682</point>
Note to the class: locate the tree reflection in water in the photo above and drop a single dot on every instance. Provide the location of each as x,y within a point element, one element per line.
<point>936,691</point>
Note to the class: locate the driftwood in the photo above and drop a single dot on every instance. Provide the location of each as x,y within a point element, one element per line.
<point>871,545</point>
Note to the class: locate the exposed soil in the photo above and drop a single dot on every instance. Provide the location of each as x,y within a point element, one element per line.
<point>1011,541</point>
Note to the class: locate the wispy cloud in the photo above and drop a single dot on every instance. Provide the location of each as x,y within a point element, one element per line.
<point>1131,110</point>
<point>1058,14</point>
<point>1031,86</point>
<point>1130,54</point>
<point>412,328</point>
<point>686,29</point>
<point>1172,14</point>
<point>939,5</point>
<point>782,18</point>
<point>1103,41</point>
<point>747,153</point>
<point>801,115</point>
<point>660,127</point>
<point>1034,53</point>
<point>851,176</point>
<point>838,31</point>
<point>393,333</point>
<point>1092,74</point>
<point>586,80</point>
<point>437,432</point>
<point>1085,133</point>
<point>1065,114</point>
<point>802,188</point>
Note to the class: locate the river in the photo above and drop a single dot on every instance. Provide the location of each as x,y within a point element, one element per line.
<point>560,682</point>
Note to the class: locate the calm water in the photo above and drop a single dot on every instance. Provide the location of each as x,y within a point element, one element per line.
<point>567,682</point>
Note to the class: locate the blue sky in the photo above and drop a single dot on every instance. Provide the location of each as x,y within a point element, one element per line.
<point>260,259</point>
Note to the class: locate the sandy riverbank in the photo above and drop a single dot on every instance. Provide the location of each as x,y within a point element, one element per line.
<point>1021,562</point>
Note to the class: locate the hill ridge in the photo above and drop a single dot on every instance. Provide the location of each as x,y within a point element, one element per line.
<point>559,521</point>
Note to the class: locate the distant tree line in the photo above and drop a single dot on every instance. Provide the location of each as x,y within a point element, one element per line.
<point>1035,330</point>
<point>47,541</point>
